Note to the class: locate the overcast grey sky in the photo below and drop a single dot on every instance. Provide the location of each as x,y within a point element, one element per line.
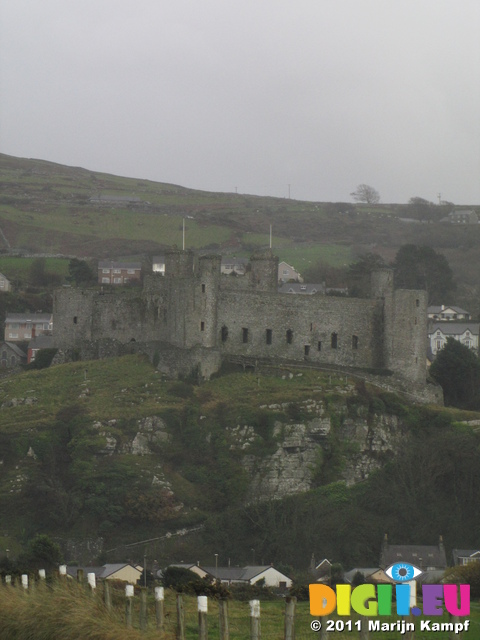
<point>250,94</point>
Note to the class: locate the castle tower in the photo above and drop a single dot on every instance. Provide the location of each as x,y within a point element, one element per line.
<point>264,271</point>
<point>179,264</point>
<point>179,284</point>
<point>206,297</point>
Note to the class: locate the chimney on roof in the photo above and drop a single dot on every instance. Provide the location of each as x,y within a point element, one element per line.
<point>33,330</point>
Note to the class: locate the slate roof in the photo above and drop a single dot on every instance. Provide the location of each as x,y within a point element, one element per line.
<point>100,572</point>
<point>110,264</point>
<point>419,555</point>
<point>28,317</point>
<point>464,553</point>
<point>454,328</point>
<point>16,349</point>
<point>439,309</point>
<point>42,342</point>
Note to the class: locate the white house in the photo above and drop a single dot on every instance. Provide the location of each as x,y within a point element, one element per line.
<point>243,575</point>
<point>466,333</point>
<point>443,312</point>
<point>5,284</point>
<point>286,272</point>
<point>158,265</point>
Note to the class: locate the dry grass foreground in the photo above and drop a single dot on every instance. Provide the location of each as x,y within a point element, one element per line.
<point>64,612</point>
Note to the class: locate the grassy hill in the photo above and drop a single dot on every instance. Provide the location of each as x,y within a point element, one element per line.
<point>55,209</point>
<point>113,449</point>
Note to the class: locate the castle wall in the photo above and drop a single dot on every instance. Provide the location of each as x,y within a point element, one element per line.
<point>193,308</point>
<point>323,329</point>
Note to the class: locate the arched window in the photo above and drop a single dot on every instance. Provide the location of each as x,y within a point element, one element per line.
<point>289,336</point>
<point>334,342</point>
<point>224,333</point>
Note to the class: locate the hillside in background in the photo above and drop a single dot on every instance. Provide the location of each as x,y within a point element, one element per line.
<point>284,463</point>
<point>55,209</point>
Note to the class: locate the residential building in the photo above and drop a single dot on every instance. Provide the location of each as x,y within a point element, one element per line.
<point>287,273</point>
<point>118,273</point>
<point>442,312</point>
<point>158,265</point>
<point>20,327</point>
<point>465,556</point>
<point>252,574</point>
<point>373,575</point>
<point>439,332</point>
<point>425,557</point>
<point>36,344</point>
<point>125,572</point>
<point>462,216</point>
<point>5,284</point>
<point>11,355</point>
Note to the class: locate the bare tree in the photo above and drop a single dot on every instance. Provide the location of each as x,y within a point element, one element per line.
<point>366,193</point>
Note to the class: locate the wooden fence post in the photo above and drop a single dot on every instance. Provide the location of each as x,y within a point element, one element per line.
<point>323,631</point>
<point>202,603</point>
<point>80,576</point>
<point>129,592</point>
<point>8,580</point>
<point>180,618</point>
<point>290,603</point>
<point>364,631</point>
<point>62,571</point>
<point>107,595</point>
<point>143,608</point>
<point>159,607</point>
<point>223,619</point>
<point>255,633</point>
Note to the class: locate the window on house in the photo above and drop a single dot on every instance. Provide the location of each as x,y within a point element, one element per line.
<point>306,350</point>
<point>244,335</point>
<point>319,346</point>
<point>117,280</point>
<point>117,271</point>
<point>202,326</point>
<point>75,319</point>
<point>268,336</point>
<point>224,333</point>
<point>289,336</point>
<point>2,283</point>
<point>105,270</point>
<point>203,288</point>
<point>354,342</point>
<point>334,341</point>
<point>131,271</point>
<point>105,280</point>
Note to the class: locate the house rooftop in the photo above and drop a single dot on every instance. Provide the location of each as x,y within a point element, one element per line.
<point>454,328</point>
<point>28,317</point>
<point>111,264</point>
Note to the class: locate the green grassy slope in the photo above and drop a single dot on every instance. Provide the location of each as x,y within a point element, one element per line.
<point>69,467</point>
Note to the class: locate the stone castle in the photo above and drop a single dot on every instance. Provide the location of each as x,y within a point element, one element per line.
<point>194,318</point>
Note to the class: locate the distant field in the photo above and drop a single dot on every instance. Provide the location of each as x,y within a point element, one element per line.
<point>302,257</point>
<point>18,268</point>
